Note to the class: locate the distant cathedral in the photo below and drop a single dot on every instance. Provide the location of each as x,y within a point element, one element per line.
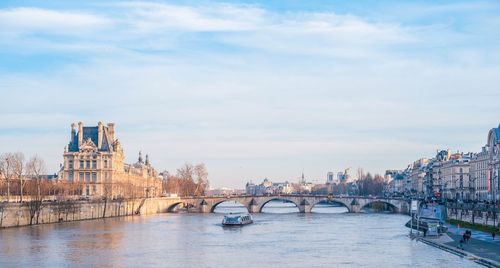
<point>94,159</point>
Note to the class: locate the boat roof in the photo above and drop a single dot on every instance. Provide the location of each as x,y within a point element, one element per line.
<point>236,214</point>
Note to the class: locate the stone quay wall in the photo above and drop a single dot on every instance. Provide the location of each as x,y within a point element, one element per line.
<point>487,215</point>
<point>20,214</point>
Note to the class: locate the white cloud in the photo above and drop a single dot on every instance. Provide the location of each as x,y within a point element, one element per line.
<point>27,19</point>
<point>154,17</point>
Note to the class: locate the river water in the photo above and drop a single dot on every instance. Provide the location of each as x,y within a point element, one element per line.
<point>280,237</point>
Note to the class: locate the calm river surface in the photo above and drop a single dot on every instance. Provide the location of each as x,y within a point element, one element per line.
<point>278,238</point>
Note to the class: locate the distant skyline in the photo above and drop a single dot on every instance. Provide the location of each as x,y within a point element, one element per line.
<point>252,89</point>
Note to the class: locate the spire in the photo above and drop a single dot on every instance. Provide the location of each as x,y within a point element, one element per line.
<point>147,160</point>
<point>140,157</point>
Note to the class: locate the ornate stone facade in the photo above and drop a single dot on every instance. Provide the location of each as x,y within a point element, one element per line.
<point>479,169</point>
<point>94,159</point>
<point>454,175</point>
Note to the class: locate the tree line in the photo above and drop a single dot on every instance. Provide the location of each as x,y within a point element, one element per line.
<point>21,177</point>
<point>189,180</point>
<point>27,181</point>
<point>365,184</point>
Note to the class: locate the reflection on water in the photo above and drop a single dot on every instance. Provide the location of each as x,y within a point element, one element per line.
<point>329,209</point>
<point>326,238</point>
<point>280,206</point>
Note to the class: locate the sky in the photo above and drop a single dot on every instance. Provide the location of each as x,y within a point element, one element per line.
<point>252,89</point>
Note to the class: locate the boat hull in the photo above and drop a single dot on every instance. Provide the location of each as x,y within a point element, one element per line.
<point>237,224</point>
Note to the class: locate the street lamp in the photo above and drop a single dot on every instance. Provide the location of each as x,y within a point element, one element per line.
<point>495,178</point>
<point>461,184</point>
<point>472,187</point>
<point>441,186</point>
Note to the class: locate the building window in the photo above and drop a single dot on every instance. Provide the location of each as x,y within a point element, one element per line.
<point>94,164</point>
<point>70,164</point>
<point>81,164</point>
<point>106,163</point>
<point>70,176</point>
<point>94,177</point>
<point>87,176</point>
<point>87,164</point>
<point>81,176</point>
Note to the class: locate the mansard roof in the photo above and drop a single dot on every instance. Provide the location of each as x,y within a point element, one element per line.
<point>497,132</point>
<point>494,136</point>
<point>91,134</point>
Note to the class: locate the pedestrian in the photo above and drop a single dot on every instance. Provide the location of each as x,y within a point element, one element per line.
<point>464,237</point>
<point>461,245</point>
<point>493,235</point>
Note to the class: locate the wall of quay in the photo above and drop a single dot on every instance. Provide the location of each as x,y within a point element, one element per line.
<point>23,214</point>
<point>489,216</point>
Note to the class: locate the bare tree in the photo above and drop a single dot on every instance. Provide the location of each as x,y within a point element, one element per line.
<point>7,170</point>
<point>107,194</point>
<point>35,168</point>
<point>189,180</point>
<point>201,175</point>
<point>185,175</point>
<point>361,173</point>
<point>18,167</point>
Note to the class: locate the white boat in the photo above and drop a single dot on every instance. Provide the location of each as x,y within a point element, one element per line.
<point>238,219</point>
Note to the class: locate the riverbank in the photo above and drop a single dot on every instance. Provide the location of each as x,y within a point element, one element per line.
<point>479,251</point>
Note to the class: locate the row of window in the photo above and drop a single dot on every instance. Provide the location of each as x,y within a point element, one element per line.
<point>84,176</point>
<point>87,164</point>
<point>482,164</point>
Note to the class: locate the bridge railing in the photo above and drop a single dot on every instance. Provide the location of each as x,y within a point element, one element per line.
<point>296,195</point>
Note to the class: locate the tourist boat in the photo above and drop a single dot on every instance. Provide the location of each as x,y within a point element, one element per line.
<point>237,219</point>
<point>430,226</point>
<point>429,219</point>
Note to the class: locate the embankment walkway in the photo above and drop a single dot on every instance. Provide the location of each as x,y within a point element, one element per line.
<point>478,249</point>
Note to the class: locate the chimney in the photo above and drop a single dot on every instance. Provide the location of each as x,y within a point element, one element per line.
<point>111,131</point>
<point>73,133</point>
<point>99,135</point>
<point>80,134</point>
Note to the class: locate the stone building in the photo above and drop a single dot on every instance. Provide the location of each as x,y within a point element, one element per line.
<point>494,163</point>
<point>417,175</point>
<point>94,159</point>
<point>396,179</point>
<point>455,177</point>
<point>479,172</point>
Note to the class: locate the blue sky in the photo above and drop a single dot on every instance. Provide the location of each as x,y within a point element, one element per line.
<point>253,89</point>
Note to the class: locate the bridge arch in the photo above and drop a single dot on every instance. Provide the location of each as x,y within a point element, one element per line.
<point>393,208</point>
<point>336,201</point>
<point>171,208</point>
<point>214,206</point>
<point>278,199</point>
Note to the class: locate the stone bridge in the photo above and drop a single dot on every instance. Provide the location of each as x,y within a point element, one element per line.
<point>304,203</point>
